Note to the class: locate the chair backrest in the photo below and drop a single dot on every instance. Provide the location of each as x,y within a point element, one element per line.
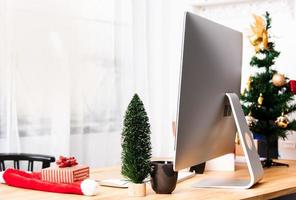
<point>31,158</point>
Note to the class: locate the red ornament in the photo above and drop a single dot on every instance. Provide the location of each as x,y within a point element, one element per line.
<point>66,162</point>
<point>292,85</point>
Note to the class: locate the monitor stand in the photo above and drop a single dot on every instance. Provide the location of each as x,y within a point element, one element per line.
<point>253,162</point>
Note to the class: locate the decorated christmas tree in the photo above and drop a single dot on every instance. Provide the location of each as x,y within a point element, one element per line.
<point>268,97</point>
<point>136,145</point>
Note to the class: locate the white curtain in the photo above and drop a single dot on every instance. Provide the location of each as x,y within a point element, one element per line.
<point>157,32</point>
<point>68,70</point>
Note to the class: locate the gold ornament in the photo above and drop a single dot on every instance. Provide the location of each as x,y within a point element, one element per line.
<point>237,140</point>
<point>249,83</point>
<point>259,39</point>
<point>282,121</point>
<point>260,100</point>
<point>251,121</point>
<point>278,80</point>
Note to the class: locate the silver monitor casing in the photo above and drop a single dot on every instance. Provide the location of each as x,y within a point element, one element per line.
<point>209,111</point>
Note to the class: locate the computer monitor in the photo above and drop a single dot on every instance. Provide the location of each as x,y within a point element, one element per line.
<point>209,112</point>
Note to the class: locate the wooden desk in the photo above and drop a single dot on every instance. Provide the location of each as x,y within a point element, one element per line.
<point>276,182</point>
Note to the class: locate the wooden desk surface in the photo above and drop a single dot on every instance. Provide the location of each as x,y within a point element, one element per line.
<point>276,182</point>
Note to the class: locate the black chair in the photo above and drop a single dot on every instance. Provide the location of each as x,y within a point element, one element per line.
<point>31,158</point>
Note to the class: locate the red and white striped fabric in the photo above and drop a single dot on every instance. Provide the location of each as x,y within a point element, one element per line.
<point>65,175</point>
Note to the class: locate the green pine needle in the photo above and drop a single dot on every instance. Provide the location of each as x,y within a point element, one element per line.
<point>268,20</point>
<point>276,100</point>
<point>135,142</point>
<point>292,125</point>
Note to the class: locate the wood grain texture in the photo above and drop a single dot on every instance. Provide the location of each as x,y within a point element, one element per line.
<point>276,182</point>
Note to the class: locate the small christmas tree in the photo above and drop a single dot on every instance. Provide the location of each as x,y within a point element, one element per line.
<point>268,97</point>
<point>136,145</point>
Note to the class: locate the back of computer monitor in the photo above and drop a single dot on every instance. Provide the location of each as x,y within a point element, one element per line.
<point>211,67</point>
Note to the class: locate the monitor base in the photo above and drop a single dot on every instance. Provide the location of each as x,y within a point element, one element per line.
<point>252,159</point>
<point>222,183</point>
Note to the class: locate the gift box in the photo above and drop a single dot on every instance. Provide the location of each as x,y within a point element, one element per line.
<point>65,175</point>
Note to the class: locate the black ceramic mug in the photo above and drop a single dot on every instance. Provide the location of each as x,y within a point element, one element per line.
<point>163,177</point>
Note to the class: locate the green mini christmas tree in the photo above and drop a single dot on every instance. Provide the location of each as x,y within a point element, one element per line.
<point>267,99</point>
<point>136,144</point>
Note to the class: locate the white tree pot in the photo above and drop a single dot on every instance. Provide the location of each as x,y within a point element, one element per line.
<point>137,189</point>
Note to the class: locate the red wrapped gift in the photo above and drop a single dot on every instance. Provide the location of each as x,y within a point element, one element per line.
<point>65,175</point>
<point>292,85</point>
